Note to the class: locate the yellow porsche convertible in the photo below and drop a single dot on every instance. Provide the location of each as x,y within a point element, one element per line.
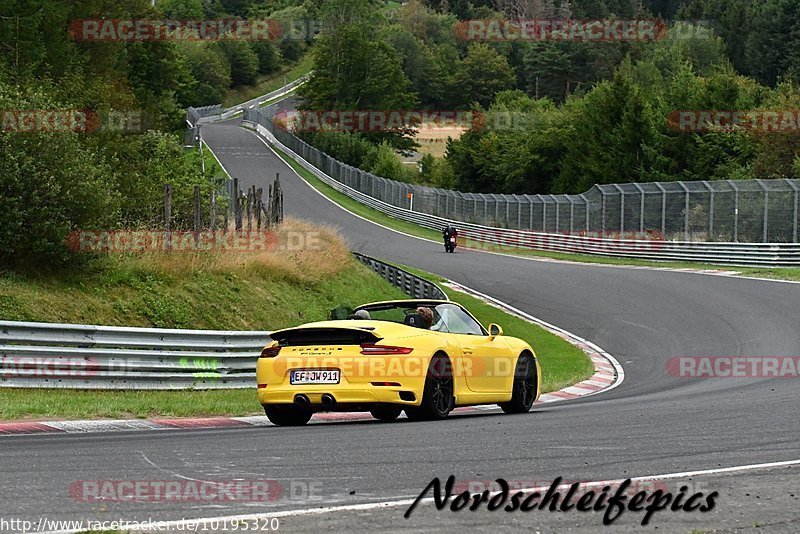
<point>424,357</point>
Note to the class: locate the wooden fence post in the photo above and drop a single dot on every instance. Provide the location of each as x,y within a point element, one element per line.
<point>168,216</point>
<point>198,225</point>
<point>237,206</point>
<point>213,210</point>
<point>259,207</point>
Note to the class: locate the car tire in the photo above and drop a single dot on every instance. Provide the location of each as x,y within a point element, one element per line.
<point>524,390</point>
<point>386,414</point>
<point>287,415</point>
<point>437,397</point>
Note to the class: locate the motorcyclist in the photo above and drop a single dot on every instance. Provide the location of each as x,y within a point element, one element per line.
<point>448,232</point>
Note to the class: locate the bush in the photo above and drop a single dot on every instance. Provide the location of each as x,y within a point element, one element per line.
<point>51,184</point>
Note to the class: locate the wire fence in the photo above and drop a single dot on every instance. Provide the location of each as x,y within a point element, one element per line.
<point>746,211</point>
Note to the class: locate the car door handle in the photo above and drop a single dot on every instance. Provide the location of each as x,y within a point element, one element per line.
<point>467,350</point>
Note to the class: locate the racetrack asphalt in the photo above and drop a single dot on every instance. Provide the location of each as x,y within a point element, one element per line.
<point>654,423</point>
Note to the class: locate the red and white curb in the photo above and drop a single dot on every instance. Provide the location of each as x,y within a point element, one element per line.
<point>608,375</point>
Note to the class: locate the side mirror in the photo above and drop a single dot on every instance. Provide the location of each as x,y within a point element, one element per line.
<point>495,330</point>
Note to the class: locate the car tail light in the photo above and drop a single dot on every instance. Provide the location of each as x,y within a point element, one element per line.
<point>387,384</point>
<point>372,349</point>
<point>270,352</point>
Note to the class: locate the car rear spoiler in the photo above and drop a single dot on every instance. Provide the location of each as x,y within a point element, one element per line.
<point>322,335</point>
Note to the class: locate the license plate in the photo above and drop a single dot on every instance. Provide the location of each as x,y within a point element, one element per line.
<point>314,376</point>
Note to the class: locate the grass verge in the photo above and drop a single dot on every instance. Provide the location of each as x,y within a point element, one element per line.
<point>776,273</point>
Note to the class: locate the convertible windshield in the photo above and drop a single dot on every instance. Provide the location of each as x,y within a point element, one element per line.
<point>447,317</point>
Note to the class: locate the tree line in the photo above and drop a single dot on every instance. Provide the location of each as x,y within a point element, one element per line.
<point>55,182</point>
<point>585,112</point>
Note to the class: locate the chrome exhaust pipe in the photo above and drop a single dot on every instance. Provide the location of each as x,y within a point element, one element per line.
<point>301,400</point>
<point>328,400</point>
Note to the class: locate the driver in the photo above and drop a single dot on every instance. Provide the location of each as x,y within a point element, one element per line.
<point>427,316</point>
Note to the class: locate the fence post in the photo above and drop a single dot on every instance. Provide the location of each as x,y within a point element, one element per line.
<point>766,210</point>
<point>663,210</point>
<point>250,195</point>
<point>603,222</point>
<point>237,206</point>
<point>168,216</point>
<point>794,217</point>
<point>686,213</point>
<point>544,212</point>
<point>641,207</point>
<point>621,209</point>
<point>571,215</point>
<point>586,200</point>
<point>558,209</point>
<point>710,211</point>
<point>530,220</point>
<point>259,207</point>
<point>735,211</point>
<point>213,221</point>
<point>197,222</point>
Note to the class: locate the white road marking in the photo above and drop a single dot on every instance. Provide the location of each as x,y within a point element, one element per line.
<point>200,522</point>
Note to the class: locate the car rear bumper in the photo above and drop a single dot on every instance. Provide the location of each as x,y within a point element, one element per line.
<point>363,380</point>
<point>342,396</point>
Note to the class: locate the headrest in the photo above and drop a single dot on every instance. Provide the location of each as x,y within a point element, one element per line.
<point>415,319</point>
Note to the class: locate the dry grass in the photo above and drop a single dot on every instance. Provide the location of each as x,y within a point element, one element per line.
<point>308,272</point>
<point>295,251</point>
<point>433,140</point>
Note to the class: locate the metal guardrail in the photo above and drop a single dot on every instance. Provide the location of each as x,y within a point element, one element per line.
<point>107,357</point>
<point>723,253</point>
<point>51,355</point>
<point>412,285</point>
<point>197,116</point>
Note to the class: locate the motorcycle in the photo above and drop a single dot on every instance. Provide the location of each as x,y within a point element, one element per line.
<point>450,243</point>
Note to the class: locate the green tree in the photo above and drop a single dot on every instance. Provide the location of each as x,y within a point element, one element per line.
<point>243,61</point>
<point>268,57</point>
<point>480,75</point>
<point>356,68</point>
